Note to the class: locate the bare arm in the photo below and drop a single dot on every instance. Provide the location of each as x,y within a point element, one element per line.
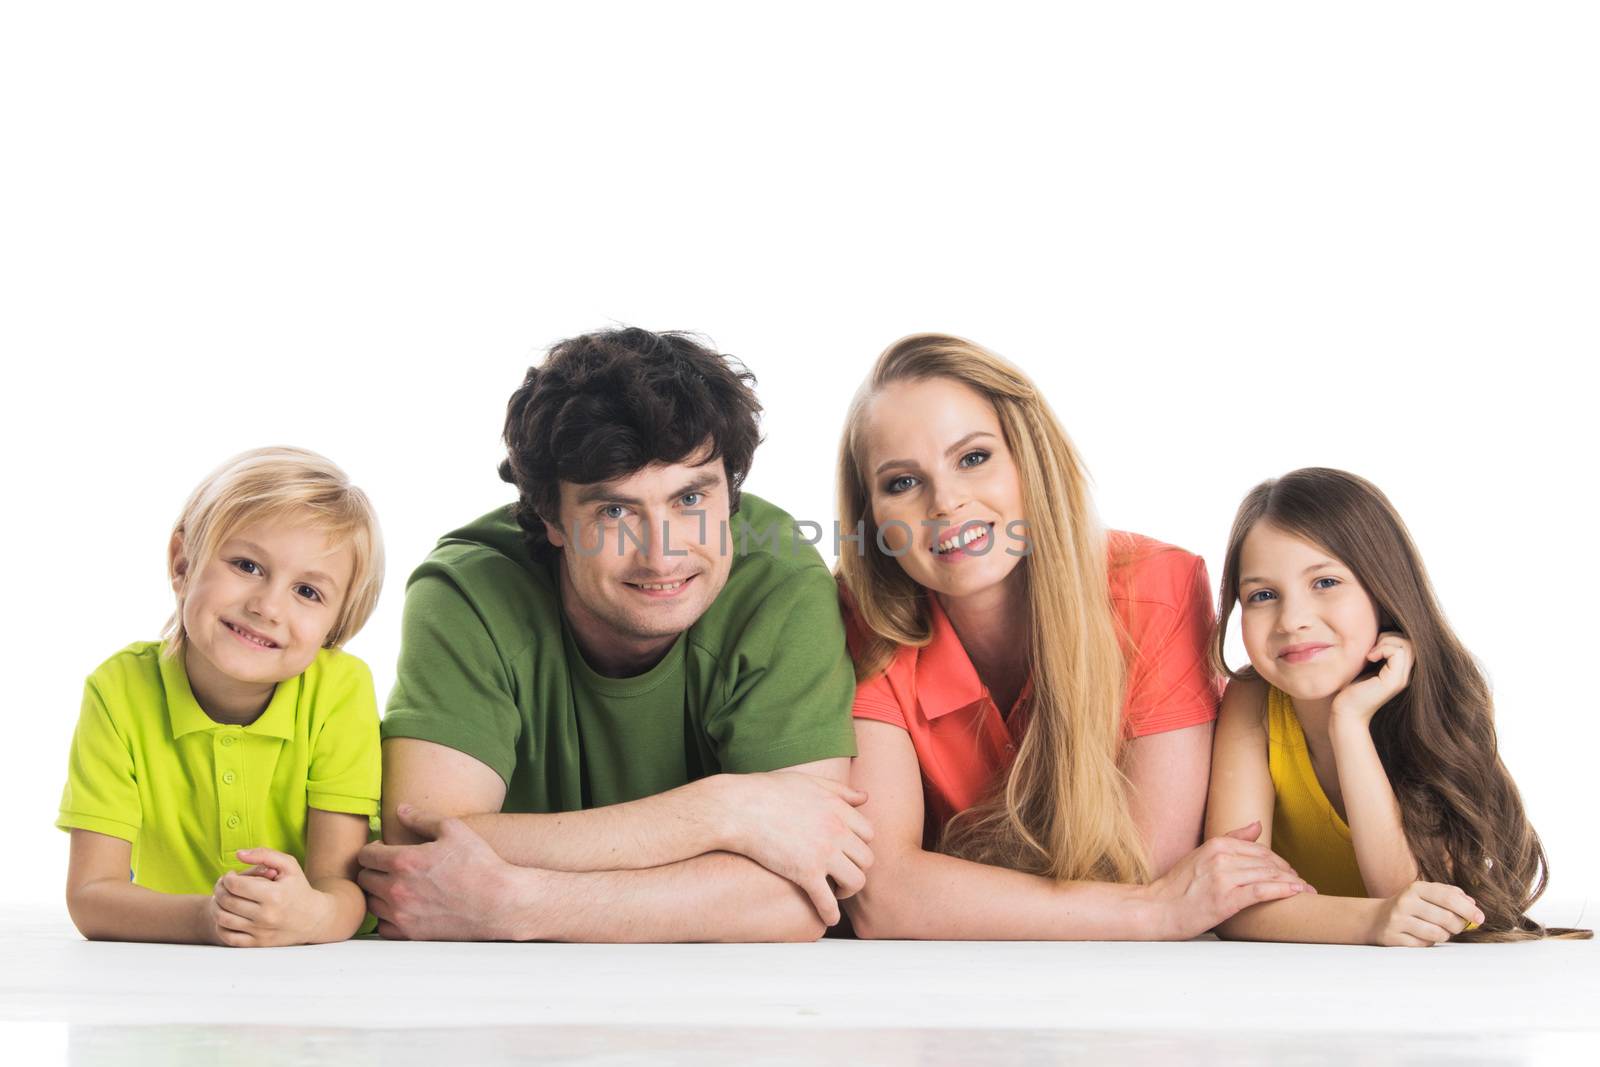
<point>912,893</point>
<point>106,906</point>
<point>1382,852</point>
<point>1167,775</point>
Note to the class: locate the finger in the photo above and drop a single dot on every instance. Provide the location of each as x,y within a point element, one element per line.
<point>1250,850</point>
<point>848,879</point>
<point>391,932</point>
<point>377,856</point>
<point>1432,933</point>
<point>380,907</point>
<point>1243,896</point>
<point>281,862</point>
<point>859,851</point>
<point>1405,940</point>
<point>258,871</point>
<point>424,824</point>
<point>1262,873</point>
<point>823,900</point>
<point>843,790</point>
<point>1444,918</point>
<point>858,824</point>
<point>236,939</point>
<point>241,906</point>
<point>242,885</point>
<point>1451,898</point>
<point>375,884</point>
<point>1246,833</point>
<point>227,920</point>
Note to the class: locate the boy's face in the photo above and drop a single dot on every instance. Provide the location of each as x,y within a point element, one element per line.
<point>259,611</point>
<point>644,556</point>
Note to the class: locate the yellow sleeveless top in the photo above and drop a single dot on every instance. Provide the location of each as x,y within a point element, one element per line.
<point>1306,830</point>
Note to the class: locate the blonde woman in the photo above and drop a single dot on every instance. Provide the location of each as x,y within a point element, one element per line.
<point>1033,705</point>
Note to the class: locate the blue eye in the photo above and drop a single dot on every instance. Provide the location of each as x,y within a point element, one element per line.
<point>612,511</point>
<point>900,484</point>
<point>689,500</point>
<point>976,456</point>
<point>1331,582</point>
<point>1260,596</point>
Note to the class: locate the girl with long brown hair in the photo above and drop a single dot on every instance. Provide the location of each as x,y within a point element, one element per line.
<point>1034,703</point>
<point>1362,733</point>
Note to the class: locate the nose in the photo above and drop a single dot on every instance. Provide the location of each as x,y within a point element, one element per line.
<point>651,542</point>
<point>1294,613</point>
<point>946,500</point>
<point>266,602</point>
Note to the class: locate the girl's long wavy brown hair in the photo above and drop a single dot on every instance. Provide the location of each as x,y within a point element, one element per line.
<point>1062,810</point>
<point>1462,814</point>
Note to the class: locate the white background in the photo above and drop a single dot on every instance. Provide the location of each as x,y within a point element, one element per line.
<point>1227,241</point>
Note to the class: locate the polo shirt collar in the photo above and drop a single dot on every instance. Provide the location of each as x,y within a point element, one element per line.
<point>946,679</point>
<point>185,716</point>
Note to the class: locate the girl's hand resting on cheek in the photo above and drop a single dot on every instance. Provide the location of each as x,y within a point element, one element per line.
<point>1360,700</point>
<point>1424,914</point>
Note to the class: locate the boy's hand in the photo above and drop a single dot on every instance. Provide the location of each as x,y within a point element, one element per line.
<point>1424,914</point>
<point>1360,700</point>
<point>270,904</point>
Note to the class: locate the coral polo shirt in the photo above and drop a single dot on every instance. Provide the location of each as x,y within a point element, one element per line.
<point>1162,600</point>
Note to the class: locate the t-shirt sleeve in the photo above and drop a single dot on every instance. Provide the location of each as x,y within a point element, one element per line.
<point>346,761</point>
<point>789,701</point>
<point>451,685</point>
<point>875,700</point>
<point>1170,684</point>
<point>102,792</point>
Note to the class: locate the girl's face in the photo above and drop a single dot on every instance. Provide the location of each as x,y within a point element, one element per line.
<point>1308,624</point>
<point>942,486</point>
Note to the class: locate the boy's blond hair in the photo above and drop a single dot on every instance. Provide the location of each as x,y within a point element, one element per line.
<point>271,483</point>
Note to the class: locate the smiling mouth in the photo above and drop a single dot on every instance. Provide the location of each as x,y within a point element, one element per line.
<point>249,636</point>
<point>1302,653</point>
<point>969,533</point>
<point>661,589</point>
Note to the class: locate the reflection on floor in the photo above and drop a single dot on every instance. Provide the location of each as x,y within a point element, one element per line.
<point>63,1000</point>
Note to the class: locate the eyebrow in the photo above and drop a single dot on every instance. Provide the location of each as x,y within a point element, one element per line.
<point>315,576</point>
<point>602,491</point>
<point>886,464</point>
<point>1314,567</point>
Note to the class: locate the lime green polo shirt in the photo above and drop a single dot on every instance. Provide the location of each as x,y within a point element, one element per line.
<point>149,766</point>
<point>488,667</point>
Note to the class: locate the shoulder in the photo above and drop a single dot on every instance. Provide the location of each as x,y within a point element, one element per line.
<point>1244,704</point>
<point>774,571</point>
<point>485,568</point>
<point>1146,571</point>
<point>135,672</point>
<point>336,668</point>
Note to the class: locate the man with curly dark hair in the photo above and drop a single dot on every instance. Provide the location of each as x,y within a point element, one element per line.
<point>622,710</point>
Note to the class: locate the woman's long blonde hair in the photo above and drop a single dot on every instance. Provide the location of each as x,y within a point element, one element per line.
<point>1062,810</point>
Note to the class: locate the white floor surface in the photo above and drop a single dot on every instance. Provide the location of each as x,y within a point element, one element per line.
<point>66,1001</point>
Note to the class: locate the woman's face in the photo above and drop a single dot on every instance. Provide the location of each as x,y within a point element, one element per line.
<point>942,486</point>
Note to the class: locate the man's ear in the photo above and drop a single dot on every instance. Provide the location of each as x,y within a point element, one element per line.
<point>552,533</point>
<point>177,562</point>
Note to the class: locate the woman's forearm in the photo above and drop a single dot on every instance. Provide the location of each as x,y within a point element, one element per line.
<point>1371,810</point>
<point>916,894</point>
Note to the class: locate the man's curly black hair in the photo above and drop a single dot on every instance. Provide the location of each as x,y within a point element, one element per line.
<point>604,405</point>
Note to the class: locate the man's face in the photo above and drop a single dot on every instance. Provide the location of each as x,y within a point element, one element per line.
<point>644,555</point>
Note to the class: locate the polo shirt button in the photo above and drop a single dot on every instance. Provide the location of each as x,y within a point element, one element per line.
<point>227,740</point>
<point>227,778</point>
<point>233,822</point>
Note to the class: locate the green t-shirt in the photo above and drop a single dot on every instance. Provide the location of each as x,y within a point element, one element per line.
<point>148,765</point>
<point>488,667</point>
